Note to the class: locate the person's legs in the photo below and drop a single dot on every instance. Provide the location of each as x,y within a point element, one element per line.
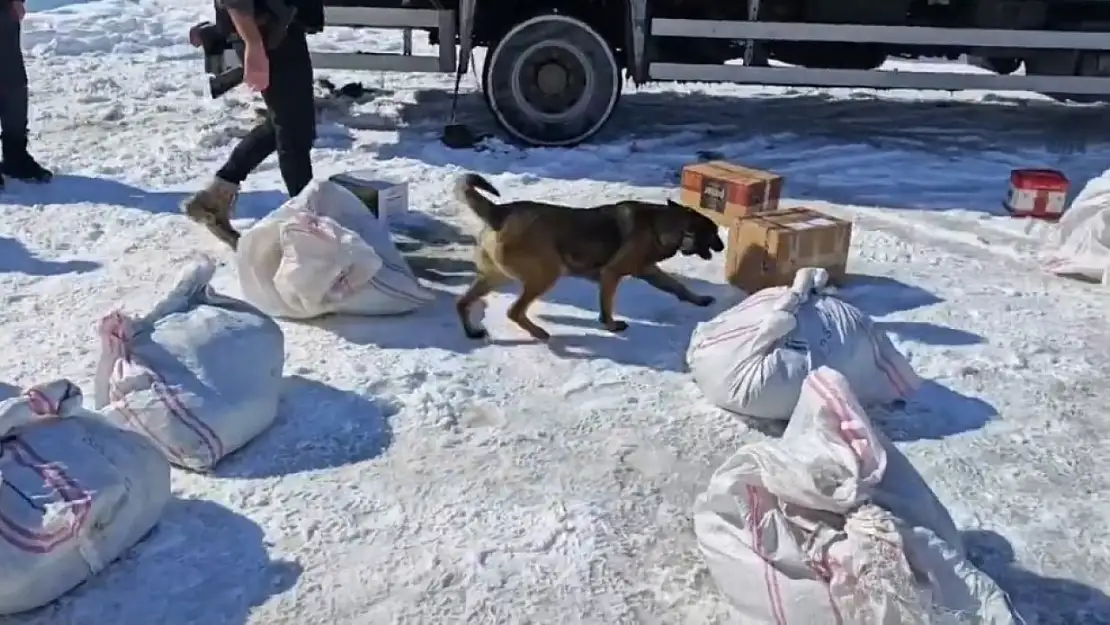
<point>292,105</point>
<point>290,130</point>
<point>16,162</point>
<point>214,205</point>
<point>254,148</point>
<point>13,77</point>
<point>290,126</point>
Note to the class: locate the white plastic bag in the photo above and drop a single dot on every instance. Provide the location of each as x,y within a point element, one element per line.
<point>752,358</point>
<point>200,375</point>
<point>323,252</point>
<point>75,493</point>
<point>832,525</point>
<point>1080,242</point>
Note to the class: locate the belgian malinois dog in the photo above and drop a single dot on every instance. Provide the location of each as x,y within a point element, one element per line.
<point>535,244</point>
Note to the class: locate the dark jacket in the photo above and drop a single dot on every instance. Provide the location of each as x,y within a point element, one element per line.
<point>310,13</point>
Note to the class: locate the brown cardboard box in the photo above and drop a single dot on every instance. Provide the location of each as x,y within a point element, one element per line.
<point>766,250</point>
<point>728,191</point>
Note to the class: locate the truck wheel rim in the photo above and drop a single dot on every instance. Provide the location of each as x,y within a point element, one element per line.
<point>520,68</point>
<point>538,69</point>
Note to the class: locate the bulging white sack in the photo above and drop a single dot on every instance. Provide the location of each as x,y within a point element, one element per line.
<point>75,494</point>
<point>831,525</point>
<point>753,358</point>
<point>1079,245</point>
<point>199,375</point>
<point>323,252</point>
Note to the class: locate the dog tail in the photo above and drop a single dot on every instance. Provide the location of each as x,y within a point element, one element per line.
<point>491,213</point>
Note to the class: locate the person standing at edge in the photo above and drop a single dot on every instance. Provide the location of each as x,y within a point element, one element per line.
<point>15,161</point>
<point>284,76</point>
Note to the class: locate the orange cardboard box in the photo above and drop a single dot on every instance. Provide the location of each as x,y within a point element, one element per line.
<point>726,191</point>
<point>766,250</point>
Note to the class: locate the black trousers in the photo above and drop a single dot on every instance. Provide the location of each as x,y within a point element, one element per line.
<point>13,83</point>
<point>290,127</point>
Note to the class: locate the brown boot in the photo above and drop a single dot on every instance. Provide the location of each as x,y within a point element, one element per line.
<point>212,208</point>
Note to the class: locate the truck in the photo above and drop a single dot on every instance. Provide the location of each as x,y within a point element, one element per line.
<point>554,70</point>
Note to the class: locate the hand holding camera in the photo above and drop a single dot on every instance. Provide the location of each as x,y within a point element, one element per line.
<point>250,61</point>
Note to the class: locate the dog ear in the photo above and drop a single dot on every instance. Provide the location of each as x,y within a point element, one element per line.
<point>673,204</point>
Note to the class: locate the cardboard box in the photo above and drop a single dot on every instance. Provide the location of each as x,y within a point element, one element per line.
<point>727,191</point>
<point>387,199</point>
<point>766,250</point>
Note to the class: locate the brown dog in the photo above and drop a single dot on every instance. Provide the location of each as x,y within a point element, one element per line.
<point>536,244</point>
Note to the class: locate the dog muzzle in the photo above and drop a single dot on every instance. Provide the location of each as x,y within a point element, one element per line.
<point>689,244</point>
<point>690,247</point>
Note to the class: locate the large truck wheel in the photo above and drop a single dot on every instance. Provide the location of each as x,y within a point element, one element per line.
<point>551,81</point>
<point>1067,63</point>
<point>1093,63</point>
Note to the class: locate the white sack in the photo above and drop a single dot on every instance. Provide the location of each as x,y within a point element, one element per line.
<point>199,375</point>
<point>831,525</point>
<point>324,252</point>
<point>1080,242</point>
<point>752,358</point>
<point>75,493</point>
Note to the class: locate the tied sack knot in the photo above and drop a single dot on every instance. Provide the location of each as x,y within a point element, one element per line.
<point>808,282</point>
<point>115,331</point>
<point>782,320</point>
<point>40,403</point>
<point>870,579</point>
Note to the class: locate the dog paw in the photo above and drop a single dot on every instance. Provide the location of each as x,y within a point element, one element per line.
<point>616,326</point>
<point>703,300</point>
<point>476,334</point>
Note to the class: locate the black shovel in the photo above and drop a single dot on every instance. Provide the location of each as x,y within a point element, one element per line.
<point>455,135</point>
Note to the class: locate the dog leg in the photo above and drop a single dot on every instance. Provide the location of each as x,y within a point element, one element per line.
<point>624,263</point>
<point>667,283</point>
<point>608,290</point>
<point>483,285</point>
<point>532,291</point>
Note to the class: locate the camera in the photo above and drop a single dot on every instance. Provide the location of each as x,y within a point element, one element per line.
<point>223,48</point>
<point>223,56</point>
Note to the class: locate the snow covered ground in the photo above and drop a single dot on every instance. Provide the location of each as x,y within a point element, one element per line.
<point>418,477</point>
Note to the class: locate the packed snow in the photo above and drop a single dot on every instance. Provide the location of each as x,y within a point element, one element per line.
<point>415,476</point>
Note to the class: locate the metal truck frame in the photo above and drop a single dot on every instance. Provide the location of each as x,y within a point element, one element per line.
<point>615,39</point>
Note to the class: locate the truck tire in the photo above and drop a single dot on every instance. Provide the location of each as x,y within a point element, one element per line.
<point>552,80</point>
<point>1066,63</point>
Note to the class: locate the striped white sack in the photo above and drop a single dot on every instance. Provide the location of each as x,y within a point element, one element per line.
<point>1079,244</point>
<point>323,252</point>
<point>75,493</point>
<point>199,375</point>
<point>831,525</point>
<point>753,358</point>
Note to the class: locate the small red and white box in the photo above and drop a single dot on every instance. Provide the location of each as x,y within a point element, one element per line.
<point>1039,193</point>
